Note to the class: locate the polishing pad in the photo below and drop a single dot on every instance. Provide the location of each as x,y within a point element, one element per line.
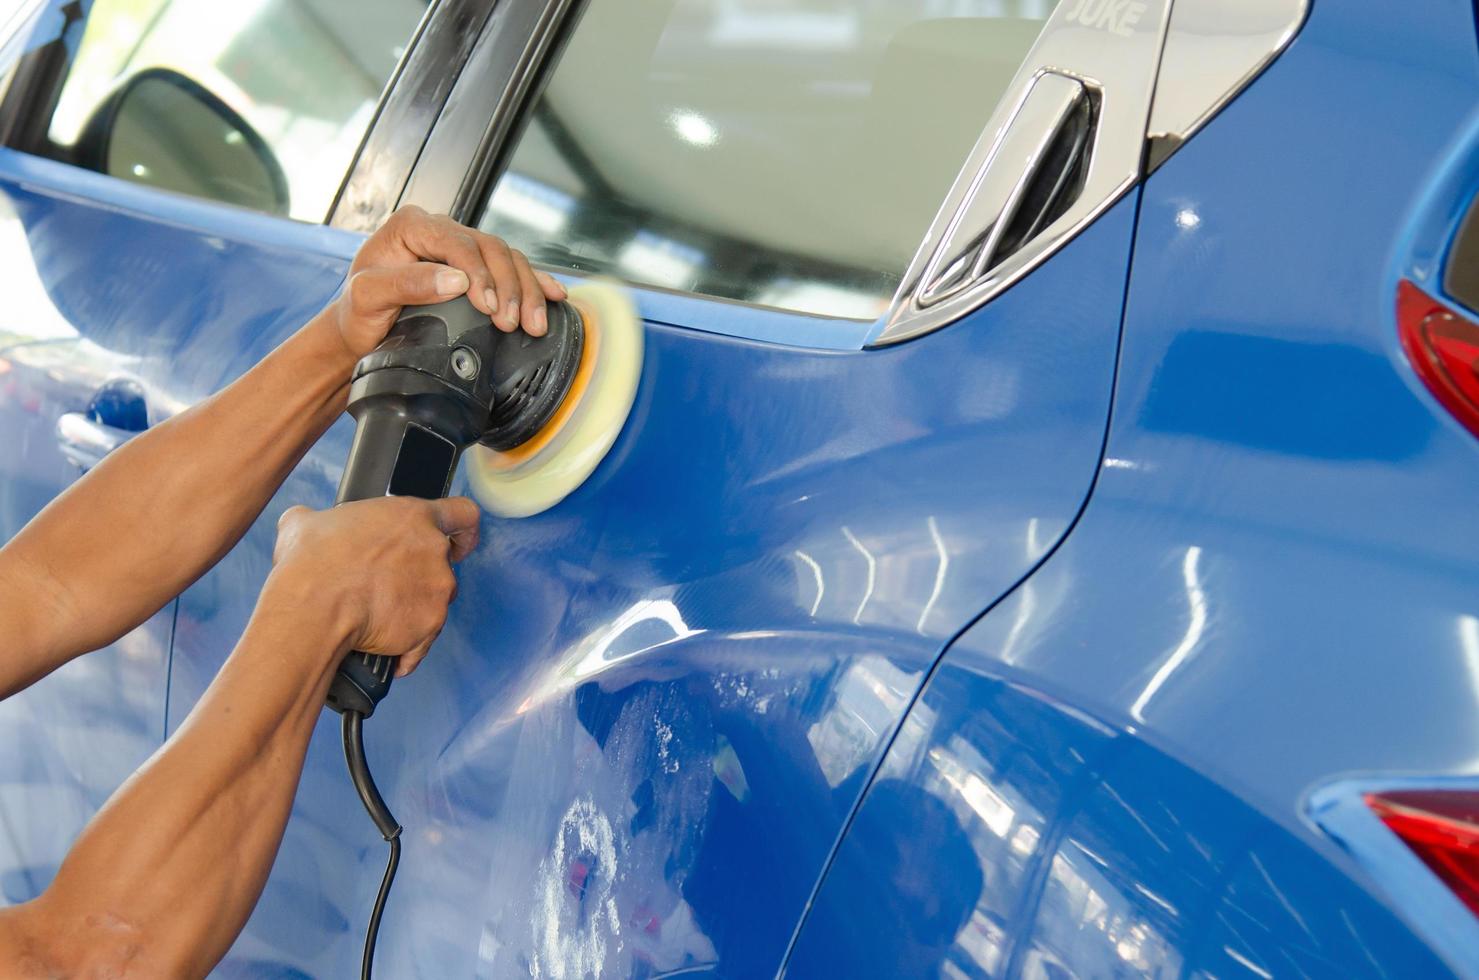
<point>540,472</point>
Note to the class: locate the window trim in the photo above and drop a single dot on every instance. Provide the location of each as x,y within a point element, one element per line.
<point>517,46</point>
<point>1119,63</point>
<point>415,100</point>
<point>38,75</point>
<point>468,145</point>
<point>371,185</point>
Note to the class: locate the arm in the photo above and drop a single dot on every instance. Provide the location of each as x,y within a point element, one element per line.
<point>164,877</point>
<point>135,531</point>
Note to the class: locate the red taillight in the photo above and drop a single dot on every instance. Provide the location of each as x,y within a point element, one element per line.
<point>1444,348</point>
<point>1442,827</point>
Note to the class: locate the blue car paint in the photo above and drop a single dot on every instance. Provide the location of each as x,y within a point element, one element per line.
<point>1134,758</point>
<point>654,706</point>
<point>646,695</point>
<point>106,280</point>
<point>1043,841</point>
<point>764,324</point>
<point>1339,809</point>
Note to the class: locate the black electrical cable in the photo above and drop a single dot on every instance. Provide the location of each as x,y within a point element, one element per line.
<point>373,932</point>
<point>359,773</point>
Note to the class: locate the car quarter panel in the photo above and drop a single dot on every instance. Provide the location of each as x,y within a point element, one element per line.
<point>1273,586</point>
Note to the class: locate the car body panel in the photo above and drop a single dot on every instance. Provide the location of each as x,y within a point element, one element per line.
<point>1271,591</point>
<point>107,281</point>
<point>695,719</point>
<point>1012,834</point>
<point>699,655</point>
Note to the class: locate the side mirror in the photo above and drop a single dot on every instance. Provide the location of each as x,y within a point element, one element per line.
<point>165,130</point>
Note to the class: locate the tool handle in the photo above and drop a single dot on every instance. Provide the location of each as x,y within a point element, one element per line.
<point>392,455</point>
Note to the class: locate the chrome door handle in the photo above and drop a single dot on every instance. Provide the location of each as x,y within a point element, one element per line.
<point>1026,165</point>
<point>85,441</point>
<point>1062,146</point>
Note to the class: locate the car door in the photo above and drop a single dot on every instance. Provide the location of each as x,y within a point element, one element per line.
<point>125,303</point>
<point>655,706</point>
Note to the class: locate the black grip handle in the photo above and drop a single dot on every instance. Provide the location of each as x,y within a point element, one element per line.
<point>361,682</point>
<point>392,454</point>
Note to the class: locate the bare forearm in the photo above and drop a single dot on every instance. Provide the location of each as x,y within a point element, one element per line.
<point>168,872</point>
<point>156,514</point>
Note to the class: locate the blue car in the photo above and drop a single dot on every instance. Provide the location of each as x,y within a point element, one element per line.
<point>1044,543</point>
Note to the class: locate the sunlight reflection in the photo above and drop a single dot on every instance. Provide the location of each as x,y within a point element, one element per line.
<point>1196,601</point>
<point>816,570</point>
<point>595,653</point>
<point>872,573</point>
<point>940,570</point>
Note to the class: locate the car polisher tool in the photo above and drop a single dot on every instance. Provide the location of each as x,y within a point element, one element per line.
<point>519,478</point>
<point>539,414</point>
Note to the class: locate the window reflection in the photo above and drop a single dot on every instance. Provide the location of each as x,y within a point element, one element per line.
<point>305,74</point>
<point>866,700</point>
<point>777,153</point>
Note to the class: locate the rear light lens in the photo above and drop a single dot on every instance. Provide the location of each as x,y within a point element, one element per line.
<point>1442,828</point>
<point>1444,348</point>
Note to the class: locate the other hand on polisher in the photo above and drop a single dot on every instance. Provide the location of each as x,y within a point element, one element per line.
<point>541,412</point>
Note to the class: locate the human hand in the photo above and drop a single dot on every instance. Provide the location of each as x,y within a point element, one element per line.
<point>417,258</point>
<point>381,569</point>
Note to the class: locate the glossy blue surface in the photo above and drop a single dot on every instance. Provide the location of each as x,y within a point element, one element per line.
<point>1010,834</point>
<point>1272,591</point>
<point>697,717</point>
<point>105,282</point>
<point>655,705</point>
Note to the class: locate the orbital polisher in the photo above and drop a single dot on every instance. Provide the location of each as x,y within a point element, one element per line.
<point>534,415</point>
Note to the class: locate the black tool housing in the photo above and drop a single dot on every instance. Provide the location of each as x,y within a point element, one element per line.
<point>443,379</point>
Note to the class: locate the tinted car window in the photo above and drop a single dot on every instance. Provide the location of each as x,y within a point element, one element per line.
<point>780,153</point>
<point>304,75</point>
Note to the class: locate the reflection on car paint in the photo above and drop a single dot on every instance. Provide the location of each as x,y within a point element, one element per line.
<point>76,734</point>
<point>85,305</point>
<point>1269,595</point>
<point>1013,835</point>
<point>653,657</point>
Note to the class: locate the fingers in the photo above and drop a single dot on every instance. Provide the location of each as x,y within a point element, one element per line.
<point>531,308</point>
<point>384,290</point>
<point>501,282</point>
<point>442,592</point>
<point>407,662</point>
<point>461,545</point>
<point>553,289</point>
<point>412,235</point>
<point>508,288</point>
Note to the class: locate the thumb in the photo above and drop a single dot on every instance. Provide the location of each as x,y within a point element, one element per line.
<point>457,518</point>
<point>375,296</point>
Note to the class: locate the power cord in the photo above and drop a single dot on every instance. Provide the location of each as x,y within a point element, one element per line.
<point>359,773</point>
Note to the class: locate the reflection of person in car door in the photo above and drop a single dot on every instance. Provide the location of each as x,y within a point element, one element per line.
<point>164,877</point>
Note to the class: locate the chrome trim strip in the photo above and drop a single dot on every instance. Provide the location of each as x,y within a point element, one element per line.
<point>997,192</point>
<point>1111,46</point>
<point>1213,50</point>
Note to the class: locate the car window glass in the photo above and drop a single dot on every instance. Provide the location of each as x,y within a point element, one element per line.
<point>304,75</point>
<point>781,153</point>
